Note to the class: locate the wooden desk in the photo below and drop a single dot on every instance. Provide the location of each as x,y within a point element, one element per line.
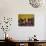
<point>31,43</point>
<point>28,43</point>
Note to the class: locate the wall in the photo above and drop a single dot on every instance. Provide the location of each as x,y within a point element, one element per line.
<point>11,8</point>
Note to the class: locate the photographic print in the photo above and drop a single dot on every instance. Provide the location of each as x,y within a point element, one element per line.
<point>25,20</point>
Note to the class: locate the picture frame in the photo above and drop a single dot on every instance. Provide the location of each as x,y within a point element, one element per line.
<point>25,20</point>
